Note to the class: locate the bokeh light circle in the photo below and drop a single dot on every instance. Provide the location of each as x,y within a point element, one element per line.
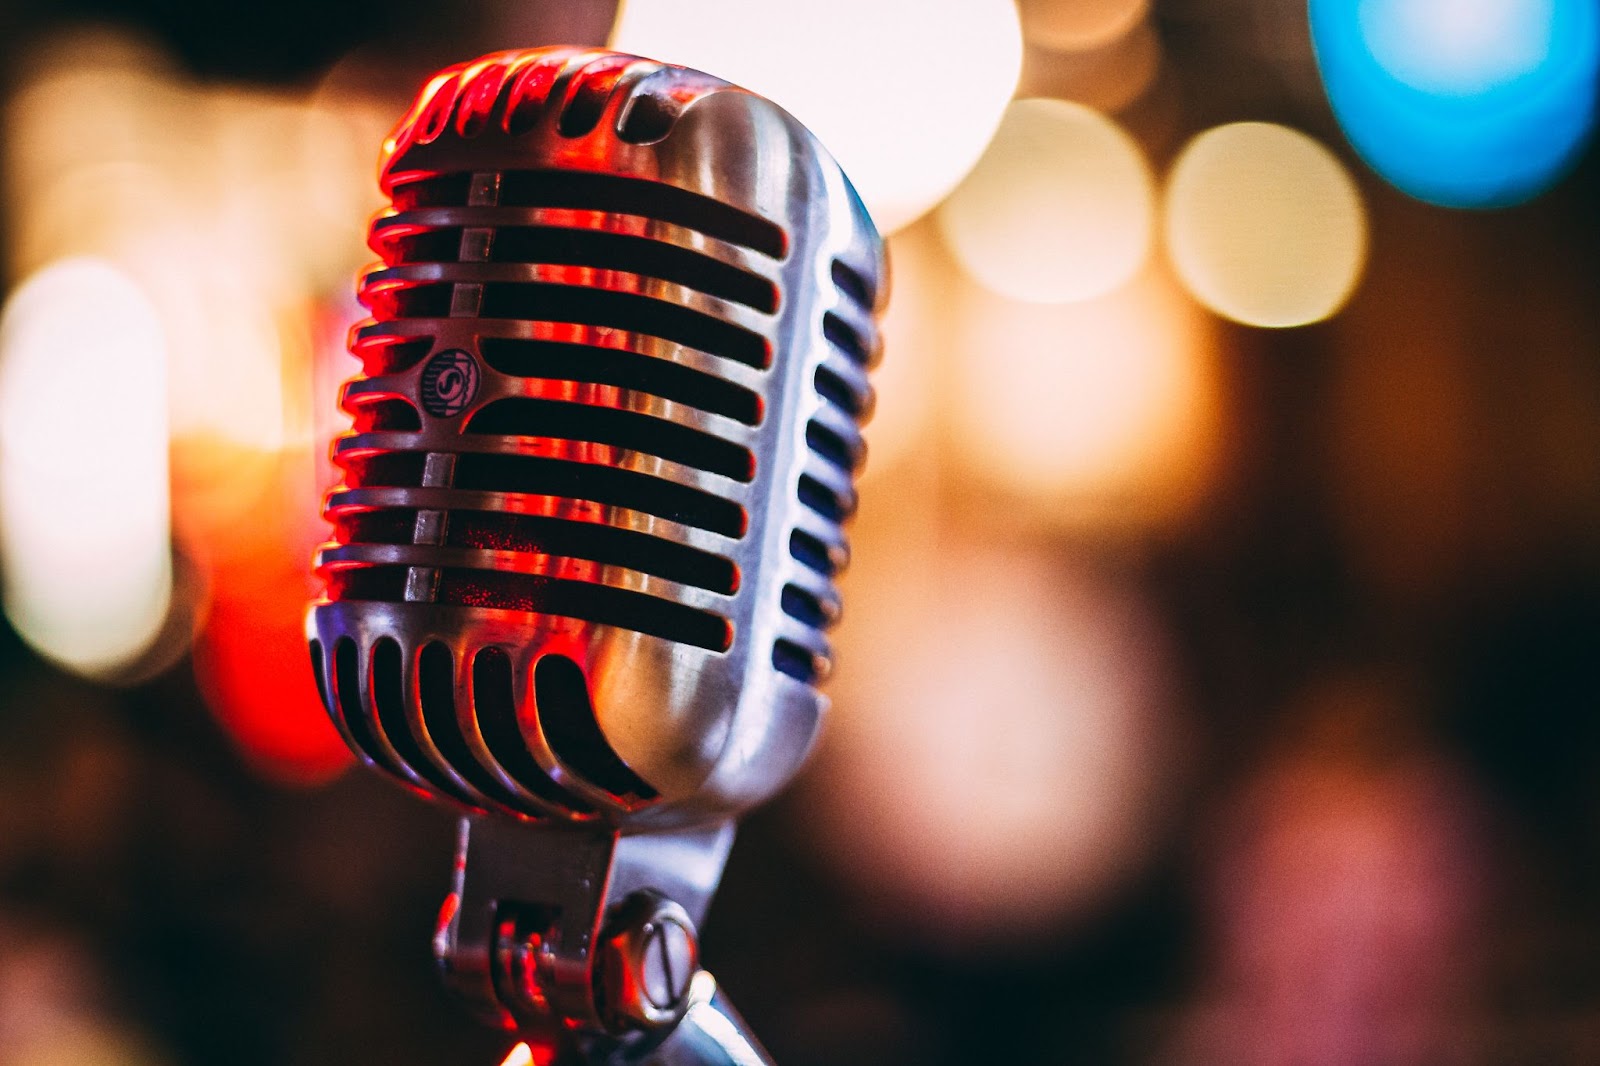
<point>1462,103</point>
<point>1003,759</point>
<point>1264,225</point>
<point>1096,417</point>
<point>84,501</point>
<point>1079,25</point>
<point>904,93</point>
<point>1059,209</point>
<point>1110,79</point>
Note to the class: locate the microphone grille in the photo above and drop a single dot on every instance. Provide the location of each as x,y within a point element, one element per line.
<point>603,440</point>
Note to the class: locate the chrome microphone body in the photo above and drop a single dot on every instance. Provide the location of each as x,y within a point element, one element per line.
<point>603,442</point>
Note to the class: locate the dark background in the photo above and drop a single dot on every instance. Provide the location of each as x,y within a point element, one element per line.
<point>1371,632</point>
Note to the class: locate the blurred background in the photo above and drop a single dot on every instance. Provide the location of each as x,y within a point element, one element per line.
<point>1220,678</point>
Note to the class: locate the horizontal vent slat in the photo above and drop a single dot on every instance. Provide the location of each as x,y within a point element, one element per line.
<point>385,468</point>
<point>582,190</point>
<point>498,531</point>
<point>597,604</point>
<point>391,225</point>
<point>598,250</point>
<point>539,476</point>
<point>609,366</point>
<point>382,355</point>
<point>600,484</point>
<point>345,502</point>
<point>523,417</point>
<point>333,557</point>
<point>391,525</point>
<point>626,311</point>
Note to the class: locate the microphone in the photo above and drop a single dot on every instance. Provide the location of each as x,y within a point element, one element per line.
<point>584,553</point>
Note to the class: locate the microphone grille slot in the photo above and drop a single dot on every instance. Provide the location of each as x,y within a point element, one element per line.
<point>826,483</point>
<point>598,365</point>
<point>583,190</point>
<point>618,428</point>
<point>598,470</point>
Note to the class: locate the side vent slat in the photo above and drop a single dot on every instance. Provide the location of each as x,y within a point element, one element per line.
<point>833,388</point>
<point>436,691</point>
<point>832,434</point>
<point>852,284</point>
<point>817,496</point>
<point>790,658</point>
<point>566,714</point>
<point>811,552</point>
<point>392,525</point>
<point>382,584</point>
<point>347,690</point>
<point>389,703</point>
<point>495,708</point>
<point>802,606</point>
<point>831,446</point>
<point>846,339</point>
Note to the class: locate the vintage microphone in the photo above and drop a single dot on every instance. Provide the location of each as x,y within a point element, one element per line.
<point>604,439</point>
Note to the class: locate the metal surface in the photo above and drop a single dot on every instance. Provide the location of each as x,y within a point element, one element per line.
<point>608,416</point>
<point>710,1034</point>
<point>603,442</point>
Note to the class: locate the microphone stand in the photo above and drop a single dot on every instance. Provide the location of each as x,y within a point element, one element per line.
<point>711,1033</point>
<point>583,939</point>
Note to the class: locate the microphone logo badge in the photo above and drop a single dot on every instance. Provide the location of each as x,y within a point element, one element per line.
<point>449,383</point>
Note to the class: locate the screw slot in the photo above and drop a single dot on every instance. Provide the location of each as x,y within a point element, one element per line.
<point>650,962</point>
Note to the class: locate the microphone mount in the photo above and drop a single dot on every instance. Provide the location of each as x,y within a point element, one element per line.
<point>586,938</point>
<point>570,925</point>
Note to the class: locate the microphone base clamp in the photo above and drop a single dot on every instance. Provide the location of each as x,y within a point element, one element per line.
<point>586,938</point>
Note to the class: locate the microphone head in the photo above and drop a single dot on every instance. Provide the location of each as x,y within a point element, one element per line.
<point>604,438</point>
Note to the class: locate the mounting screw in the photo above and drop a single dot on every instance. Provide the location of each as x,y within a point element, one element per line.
<point>650,960</point>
